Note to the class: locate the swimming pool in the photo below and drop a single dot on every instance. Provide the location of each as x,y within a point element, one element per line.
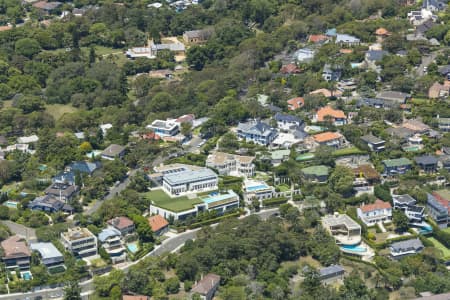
<point>256,187</point>
<point>132,247</point>
<point>354,248</point>
<point>26,275</point>
<point>11,204</point>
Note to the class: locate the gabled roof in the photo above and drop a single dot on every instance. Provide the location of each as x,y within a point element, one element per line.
<point>256,127</point>
<point>157,222</point>
<point>327,136</point>
<point>317,38</point>
<point>296,103</point>
<point>393,96</point>
<point>376,55</point>
<point>15,247</point>
<point>378,205</point>
<point>280,117</point>
<point>329,111</point>
<point>113,150</point>
<point>382,31</point>
<point>120,222</point>
<point>346,38</point>
<point>208,283</point>
<point>426,160</point>
<point>84,166</point>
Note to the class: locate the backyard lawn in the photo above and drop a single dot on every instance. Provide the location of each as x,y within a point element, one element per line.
<point>160,198</point>
<point>58,110</point>
<point>437,244</point>
<point>348,151</point>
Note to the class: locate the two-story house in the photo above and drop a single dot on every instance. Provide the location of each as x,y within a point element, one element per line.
<point>405,248</point>
<point>79,241</point>
<point>231,164</point>
<point>427,163</point>
<point>257,132</point>
<point>438,209</point>
<point>396,166</point>
<point>287,122</point>
<point>328,114</point>
<point>375,144</point>
<point>16,254</point>
<point>407,204</point>
<point>370,214</point>
<point>123,224</point>
<point>111,240</point>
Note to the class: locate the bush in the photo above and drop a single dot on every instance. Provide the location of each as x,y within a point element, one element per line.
<point>275,201</point>
<point>172,285</point>
<point>215,220</point>
<point>187,285</point>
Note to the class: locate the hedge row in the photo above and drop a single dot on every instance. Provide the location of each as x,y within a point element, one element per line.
<point>274,201</point>
<point>215,220</point>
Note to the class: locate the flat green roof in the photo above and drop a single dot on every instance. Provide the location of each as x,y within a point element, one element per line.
<point>316,170</point>
<point>176,204</point>
<point>306,156</point>
<point>397,162</point>
<point>280,154</point>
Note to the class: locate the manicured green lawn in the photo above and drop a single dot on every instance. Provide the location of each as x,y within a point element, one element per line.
<point>58,110</point>
<point>283,187</point>
<point>348,151</point>
<point>438,245</point>
<point>446,230</point>
<point>161,199</point>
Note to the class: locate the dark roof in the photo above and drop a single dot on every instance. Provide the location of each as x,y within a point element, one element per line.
<point>424,27</point>
<point>404,199</point>
<point>400,132</point>
<point>371,139</point>
<point>68,177</point>
<point>426,160</point>
<point>273,108</point>
<point>50,202</point>
<point>414,244</point>
<point>84,166</point>
<point>287,118</point>
<point>65,190</point>
<point>333,269</point>
<point>376,55</point>
<point>444,70</point>
<point>393,96</point>
<point>113,150</point>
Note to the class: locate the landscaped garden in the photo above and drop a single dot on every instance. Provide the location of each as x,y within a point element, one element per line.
<point>176,204</point>
<point>438,245</point>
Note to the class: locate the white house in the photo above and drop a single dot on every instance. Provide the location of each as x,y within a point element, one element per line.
<point>80,241</point>
<point>190,181</point>
<point>231,164</point>
<point>379,211</point>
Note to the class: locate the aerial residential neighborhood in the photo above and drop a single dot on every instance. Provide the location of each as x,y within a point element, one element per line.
<point>224,150</point>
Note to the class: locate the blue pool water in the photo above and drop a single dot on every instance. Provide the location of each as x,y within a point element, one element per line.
<point>257,187</point>
<point>425,229</point>
<point>11,204</point>
<point>26,275</point>
<point>133,247</point>
<point>354,248</point>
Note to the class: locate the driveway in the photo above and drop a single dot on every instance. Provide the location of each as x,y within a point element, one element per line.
<point>23,231</point>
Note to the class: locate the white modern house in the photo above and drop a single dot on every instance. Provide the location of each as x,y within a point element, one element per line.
<point>165,128</point>
<point>219,202</point>
<point>80,241</point>
<point>231,164</point>
<point>111,240</point>
<point>257,190</point>
<point>343,228</point>
<point>190,181</point>
<point>371,214</point>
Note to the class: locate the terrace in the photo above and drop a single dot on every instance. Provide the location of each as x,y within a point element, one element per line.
<point>176,204</point>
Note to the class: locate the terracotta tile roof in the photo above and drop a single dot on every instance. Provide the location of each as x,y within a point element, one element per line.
<point>317,38</point>
<point>5,28</point>
<point>120,222</point>
<point>329,111</point>
<point>135,297</point>
<point>290,69</point>
<point>327,136</point>
<point>382,31</point>
<point>157,223</point>
<point>15,247</point>
<point>296,103</point>
<point>375,206</point>
<point>204,286</point>
<point>346,51</point>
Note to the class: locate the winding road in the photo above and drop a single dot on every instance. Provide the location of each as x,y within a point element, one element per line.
<point>169,245</point>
